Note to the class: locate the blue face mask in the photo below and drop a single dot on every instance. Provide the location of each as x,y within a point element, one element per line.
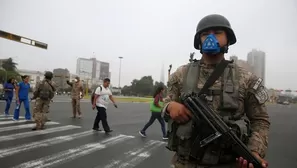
<point>211,45</point>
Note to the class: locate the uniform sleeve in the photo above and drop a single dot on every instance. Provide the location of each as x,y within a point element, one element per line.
<point>174,86</point>
<point>256,96</point>
<point>54,85</point>
<point>82,91</point>
<point>36,90</point>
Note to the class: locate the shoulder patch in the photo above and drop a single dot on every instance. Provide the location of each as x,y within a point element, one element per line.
<point>257,84</point>
<point>261,94</point>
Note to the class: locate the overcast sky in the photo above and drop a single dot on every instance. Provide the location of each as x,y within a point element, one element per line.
<point>146,33</point>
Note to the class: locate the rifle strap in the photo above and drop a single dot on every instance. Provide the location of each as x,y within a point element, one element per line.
<point>51,86</point>
<point>214,76</point>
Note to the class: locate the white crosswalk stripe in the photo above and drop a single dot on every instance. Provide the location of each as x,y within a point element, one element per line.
<point>50,161</point>
<point>9,118</point>
<point>13,122</point>
<point>135,156</point>
<point>17,127</point>
<point>18,139</point>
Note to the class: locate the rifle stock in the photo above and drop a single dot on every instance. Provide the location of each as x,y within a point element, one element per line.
<point>201,111</point>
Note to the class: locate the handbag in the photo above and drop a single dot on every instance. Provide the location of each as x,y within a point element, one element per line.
<point>154,108</point>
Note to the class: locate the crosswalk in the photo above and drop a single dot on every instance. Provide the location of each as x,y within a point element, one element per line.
<point>69,146</point>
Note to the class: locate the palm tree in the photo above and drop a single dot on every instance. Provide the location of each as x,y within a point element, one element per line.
<point>9,65</point>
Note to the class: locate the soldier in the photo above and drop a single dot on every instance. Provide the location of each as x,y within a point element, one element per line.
<point>237,94</point>
<point>44,92</point>
<point>77,93</point>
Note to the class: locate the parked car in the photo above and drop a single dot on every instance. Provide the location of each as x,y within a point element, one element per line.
<point>2,96</point>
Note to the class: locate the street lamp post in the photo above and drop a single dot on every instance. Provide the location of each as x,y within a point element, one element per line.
<point>120,71</point>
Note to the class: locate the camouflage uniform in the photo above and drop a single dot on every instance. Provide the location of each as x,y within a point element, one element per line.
<point>41,106</point>
<point>77,90</point>
<point>248,89</point>
<point>246,99</point>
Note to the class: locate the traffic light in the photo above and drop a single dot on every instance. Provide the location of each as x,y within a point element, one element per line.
<point>23,40</point>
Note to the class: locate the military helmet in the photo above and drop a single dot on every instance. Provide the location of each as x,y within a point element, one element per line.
<point>214,21</point>
<point>48,75</point>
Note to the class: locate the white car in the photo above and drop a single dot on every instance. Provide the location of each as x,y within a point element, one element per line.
<point>286,103</point>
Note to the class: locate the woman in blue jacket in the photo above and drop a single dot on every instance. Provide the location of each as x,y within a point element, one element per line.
<point>22,95</point>
<point>8,93</point>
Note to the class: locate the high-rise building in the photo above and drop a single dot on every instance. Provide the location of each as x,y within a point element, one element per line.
<point>92,69</point>
<point>257,62</point>
<point>104,70</point>
<point>84,68</point>
<point>60,78</point>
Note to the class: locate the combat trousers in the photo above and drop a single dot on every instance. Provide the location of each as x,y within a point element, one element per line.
<point>39,112</point>
<point>75,106</point>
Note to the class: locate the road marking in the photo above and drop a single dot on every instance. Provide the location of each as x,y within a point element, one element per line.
<point>18,127</point>
<point>71,154</point>
<point>3,116</point>
<point>8,118</point>
<point>13,122</point>
<point>39,132</point>
<point>135,156</point>
<point>43,143</point>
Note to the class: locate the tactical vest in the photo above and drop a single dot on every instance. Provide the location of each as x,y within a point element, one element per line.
<point>182,137</point>
<point>45,91</point>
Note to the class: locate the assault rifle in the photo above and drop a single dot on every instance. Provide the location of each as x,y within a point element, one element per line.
<point>201,111</point>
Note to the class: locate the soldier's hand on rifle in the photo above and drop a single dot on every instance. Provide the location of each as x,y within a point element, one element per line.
<point>242,163</point>
<point>178,112</point>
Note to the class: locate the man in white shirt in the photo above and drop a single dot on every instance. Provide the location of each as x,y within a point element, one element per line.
<point>101,100</point>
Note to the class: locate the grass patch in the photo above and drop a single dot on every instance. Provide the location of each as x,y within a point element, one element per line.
<point>132,99</point>
<point>127,99</point>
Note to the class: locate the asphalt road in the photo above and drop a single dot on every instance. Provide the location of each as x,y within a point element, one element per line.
<point>70,143</point>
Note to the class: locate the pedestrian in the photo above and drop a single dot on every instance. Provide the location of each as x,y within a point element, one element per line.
<point>77,93</point>
<point>237,95</point>
<point>156,108</point>
<point>9,87</point>
<point>44,92</point>
<point>101,99</point>
<point>22,96</point>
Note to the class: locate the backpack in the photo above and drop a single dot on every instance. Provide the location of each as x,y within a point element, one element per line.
<point>46,92</point>
<point>93,94</point>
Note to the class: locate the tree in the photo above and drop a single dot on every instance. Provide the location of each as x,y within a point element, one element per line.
<point>9,65</point>
<point>144,86</point>
<point>9,70</point>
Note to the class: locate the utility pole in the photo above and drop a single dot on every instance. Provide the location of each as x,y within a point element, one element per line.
<point>120,71</point>
<point>170,66</point>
